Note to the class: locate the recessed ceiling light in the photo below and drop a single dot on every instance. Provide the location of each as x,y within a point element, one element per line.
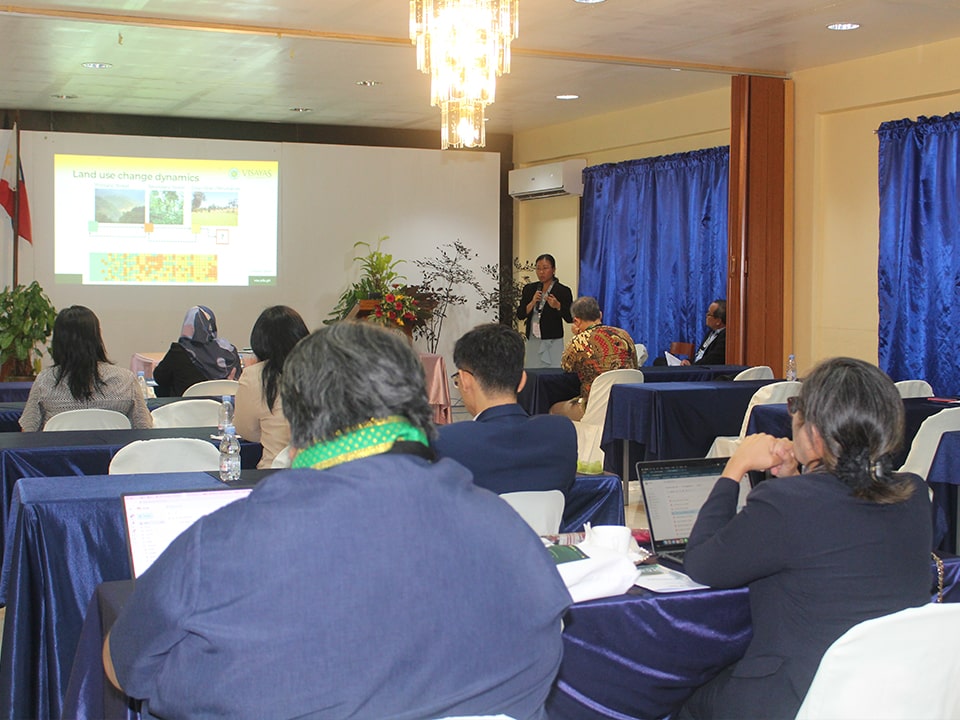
<point>301,109</point>
<point>589,2</point>
<point>568,97</point>
<point>843,26</point>
<point>97,65</point>
<point>64,97</point>
<point>368,83</point>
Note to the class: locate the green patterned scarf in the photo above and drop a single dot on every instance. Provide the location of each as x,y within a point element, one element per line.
<point>372,438</point>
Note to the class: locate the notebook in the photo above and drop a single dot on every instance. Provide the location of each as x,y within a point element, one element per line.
<point>154,520</point>
<point>673,493</point>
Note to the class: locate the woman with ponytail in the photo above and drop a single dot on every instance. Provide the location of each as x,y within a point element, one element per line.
<point>835,538</point>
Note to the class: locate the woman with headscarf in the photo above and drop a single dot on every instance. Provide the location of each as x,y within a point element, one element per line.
<point>197,356</point>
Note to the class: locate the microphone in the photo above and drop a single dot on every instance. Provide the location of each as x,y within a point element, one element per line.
<point>543,296</point>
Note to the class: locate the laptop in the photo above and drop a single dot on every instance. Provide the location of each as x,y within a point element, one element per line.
<point>155,519</point>
<point>673,493</point>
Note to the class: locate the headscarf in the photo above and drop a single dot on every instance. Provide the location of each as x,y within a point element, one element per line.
<point>216,358</point>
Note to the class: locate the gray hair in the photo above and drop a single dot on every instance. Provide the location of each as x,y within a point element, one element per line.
<point>347,373</point>
<point>585,308</point>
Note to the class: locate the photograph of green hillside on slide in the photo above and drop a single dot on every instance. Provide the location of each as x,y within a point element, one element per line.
<point>112,205</point>
<point>215,208</point>
<point>166,207</point>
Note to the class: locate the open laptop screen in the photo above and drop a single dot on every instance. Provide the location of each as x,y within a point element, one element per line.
<point>154,520</point>
<point>673,493</point>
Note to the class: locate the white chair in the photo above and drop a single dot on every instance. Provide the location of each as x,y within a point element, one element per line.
<point>590,427</point>
<point>927,439</point>
<point>165,455</point>
<point>903,665</point>
<point>777,392</point>
<point>282,458</point>
<point>212,388</point>
<point>187,413</point>
<point>642,354</point>
<point>914,388</point>
<point>542,510</point>
<point>88,419</point>
<point>757,372</point>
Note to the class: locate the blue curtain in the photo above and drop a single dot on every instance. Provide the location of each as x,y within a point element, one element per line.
<point>653,244</point>
<point>919,258</point>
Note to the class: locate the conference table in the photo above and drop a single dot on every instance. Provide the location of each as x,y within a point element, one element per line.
<point>546,386</point>
<point>944,478</point>
<point>633,656</point>
<point>80,452</point>
<point>68,535</point>
<point>666,421</point>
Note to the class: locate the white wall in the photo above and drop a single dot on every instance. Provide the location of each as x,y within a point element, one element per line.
<point>331,196</point>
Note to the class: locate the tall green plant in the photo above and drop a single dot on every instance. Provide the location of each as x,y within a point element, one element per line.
<point>443,276</point>
<point>26,321</point>
<point>378,276</point>
<point>504,298</point>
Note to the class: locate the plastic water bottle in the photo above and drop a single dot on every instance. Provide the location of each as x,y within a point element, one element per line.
<point>791,367</point>
<point>142,383</point>
<point>229,455</point>
<point>226,413</point>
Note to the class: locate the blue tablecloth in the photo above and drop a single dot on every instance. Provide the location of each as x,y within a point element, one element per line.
<point>545,386</point>
<point>944,477</point>
<point>68,536</point>
<point>15,391</point>
<point>663,421</point>
<point>634,656</point>
<point>80,452</point>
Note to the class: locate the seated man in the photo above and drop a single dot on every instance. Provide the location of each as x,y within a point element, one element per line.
<point>505,449</point>
<point>595,348</point>
<point>713,349</point>
<point>369,581</point>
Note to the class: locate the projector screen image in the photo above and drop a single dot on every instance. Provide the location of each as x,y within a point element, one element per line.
<point>165,221</point>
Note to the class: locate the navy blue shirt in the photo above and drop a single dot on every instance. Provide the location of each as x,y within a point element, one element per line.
<point>385,587</point>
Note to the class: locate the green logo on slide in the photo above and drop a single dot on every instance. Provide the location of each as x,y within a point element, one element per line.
<point>234,173</point>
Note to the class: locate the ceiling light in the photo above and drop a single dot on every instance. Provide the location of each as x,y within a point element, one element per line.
<point>464,45</point>
<point>568,97</point>
<point>368,83</point>
<point>843,26</point>
<point>97,65</point>
<point>64,97</point>
<point>589,2</point>
<point>301,109</point>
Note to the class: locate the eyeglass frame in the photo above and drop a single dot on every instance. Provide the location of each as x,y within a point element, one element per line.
<point>794,404</point>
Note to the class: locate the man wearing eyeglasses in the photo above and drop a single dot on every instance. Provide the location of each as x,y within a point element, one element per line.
<point>505,449</point>
<point>713,349</point>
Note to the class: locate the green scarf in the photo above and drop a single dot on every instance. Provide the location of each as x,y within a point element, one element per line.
<point>371,438</point>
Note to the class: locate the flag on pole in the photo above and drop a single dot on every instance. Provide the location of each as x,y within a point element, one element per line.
<point>10,190</point>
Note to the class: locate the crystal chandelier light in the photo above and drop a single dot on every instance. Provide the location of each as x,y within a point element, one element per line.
<point>464,45</point>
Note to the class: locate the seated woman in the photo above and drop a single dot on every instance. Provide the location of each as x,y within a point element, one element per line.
<point>259,412</point>
<point>845,541</point>
<point>197,356</point>
<point>81,376</point>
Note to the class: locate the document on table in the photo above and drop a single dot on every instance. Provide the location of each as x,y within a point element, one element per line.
<point>662,579</point>
<point>672,360</point>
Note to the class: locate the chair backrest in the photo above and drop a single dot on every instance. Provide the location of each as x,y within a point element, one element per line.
<point>914,388</point>
<point>187,413</point>
<point>596,411</point>
<point>757,372</point>
<point>212,388</point>
<point>903,665</point>
<point>165,455</point>
<point>542,509</point>
<point>927,439</point>
<point>684,349</point>
<point>88,419</point>
<point>282,459</point>
<point>642,354</point>
<point>777,392</point>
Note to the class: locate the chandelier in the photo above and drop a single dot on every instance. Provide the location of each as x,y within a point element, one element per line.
<point>464,45</point>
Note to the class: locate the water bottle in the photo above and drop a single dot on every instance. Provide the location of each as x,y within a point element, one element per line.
<point>226,413</point>
<point>142,384</point>
<point>791,367</point>
<point>229,455</point>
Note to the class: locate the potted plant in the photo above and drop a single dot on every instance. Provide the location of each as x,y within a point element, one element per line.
<point>26,321</point>
<point>378,276</point>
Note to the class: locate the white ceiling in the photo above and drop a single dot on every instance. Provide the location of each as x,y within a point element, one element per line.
<point>256,59</point>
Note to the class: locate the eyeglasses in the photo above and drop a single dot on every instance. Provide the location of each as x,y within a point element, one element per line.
<point>794,404</point>
<point>456,377</point>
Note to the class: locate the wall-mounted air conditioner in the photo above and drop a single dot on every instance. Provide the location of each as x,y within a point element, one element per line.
<point>541,181</point>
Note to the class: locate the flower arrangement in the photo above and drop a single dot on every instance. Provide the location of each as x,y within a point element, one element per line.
<point>400,308</point>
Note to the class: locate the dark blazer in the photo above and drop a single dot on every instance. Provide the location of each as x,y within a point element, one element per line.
<point>551,321</point>
<point>817,561</point>
<point>716,352</point>
<point>176,372</point>
<point>509,451</point>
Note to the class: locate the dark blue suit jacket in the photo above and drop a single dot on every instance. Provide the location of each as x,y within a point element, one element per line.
<point>509,451</point>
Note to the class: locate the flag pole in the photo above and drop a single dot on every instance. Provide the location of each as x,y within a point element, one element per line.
<point>16,203</point>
